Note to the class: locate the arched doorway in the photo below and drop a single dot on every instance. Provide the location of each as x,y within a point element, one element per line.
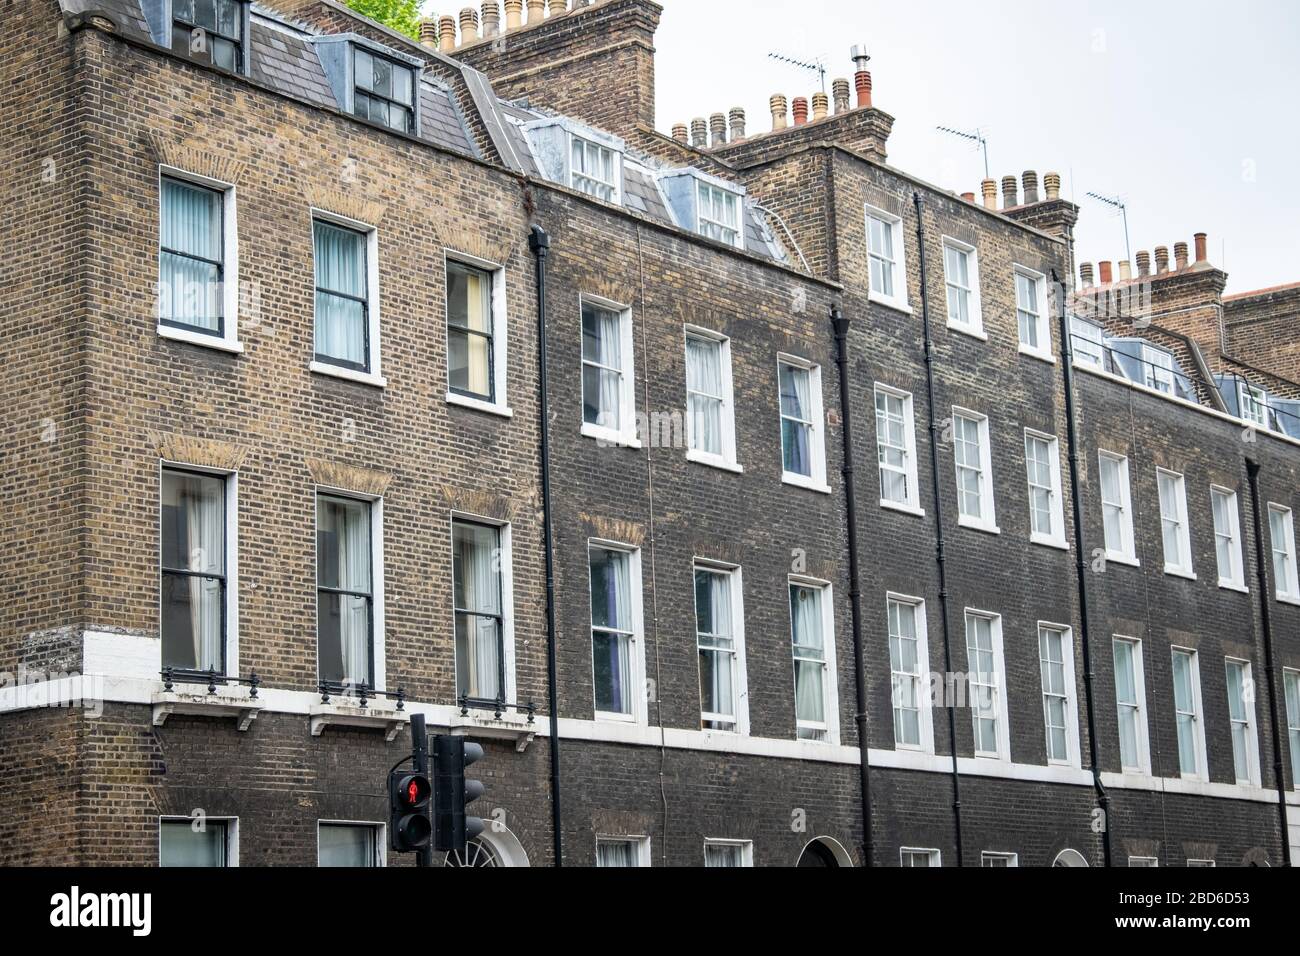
<point>492,848</point>
<point>824,852</point>
<point>1069,858</point>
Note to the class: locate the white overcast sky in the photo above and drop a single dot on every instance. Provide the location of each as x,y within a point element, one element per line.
<point>1188,110</point>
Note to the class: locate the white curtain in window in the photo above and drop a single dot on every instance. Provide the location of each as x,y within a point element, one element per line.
<point>478,316</point>
<point>611,619</point>
<point>796,409</point>
<point>1185,706</point>
<point>354,575</point>
<point>609,355</point>
<point>204,520</point>
<point>481,597</point>
<point>719,694</point>
<point>704,383</point>
<point>1126,692</point>
<point>615,853</point>
<point>191,234</point>
<point>724,855</point>
<point>810,648</point>
<point>341,293</point>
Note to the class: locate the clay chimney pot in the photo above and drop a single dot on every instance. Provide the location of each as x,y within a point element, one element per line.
<point>1030,181</point>
<point>718,128</point>
<point>491,18</point>
<point>1162,260</point>
<point>514,14</point>
<point>737,117</point>
<point>841,91</point>
<point>800,110</point>
<point>700,132</point>
<point>429,33</point>
<point>468,26</point>
<point>556,7</point>
<point>969,197</point>
<point>1107,274</point>
<point>989,188</point>
<point>1009,192</point>
<point>1180,255</point>
<point>1201,254</point>
<point>1052,186</point>
<point>862,80</point>
<point>447,34</point>
<point>780,114</point>
<point>1086,275</point>
<point>681,133</point>
<point>536,11</point>
<point>1125,270</point>
<point>1144,264</point>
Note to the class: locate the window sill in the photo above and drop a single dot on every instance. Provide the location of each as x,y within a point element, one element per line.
<point>808,484</point>
<point>898,305</point>
<point>1288,599</point>
<point>198,338</point>
<point>627,720</point>
<point>974,525</point>
<point>1234,586</point>
<point>1058,543</point>
<point>1047,357</point>
<point>1180,573</point>
<point>351,375</point>
<point>714,461</point>
<point>1114,557</point>
<point>609,438</point>
<point>974,331</point>
<point>902,508</point>
<point>478,405</point>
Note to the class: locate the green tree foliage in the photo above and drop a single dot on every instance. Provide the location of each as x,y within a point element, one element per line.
<point>400,15</point>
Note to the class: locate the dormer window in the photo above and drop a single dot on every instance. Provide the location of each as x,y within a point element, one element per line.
<point>1254,405</point>
<point>385,90</point>
<point>1158,366</point>
<point>593,170</point>
<point>211,31</point>
<point>718,214</point>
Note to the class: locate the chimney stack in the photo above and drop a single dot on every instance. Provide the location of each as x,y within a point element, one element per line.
<point>447,34</point>
<point>681,133</point>
<point>1052,185</point>
<point>1125,270</point>
<point>737,117</point>
<point>1201,254</point>
<point>718,127</point>
<point>800,107</point>
<point>1162,260</point>
<point>700,132</point>
<point>780,114</point>
<point>514,14</point>
<point>1085,274</point>
<point>1107,274</point>
<point>1144,264</point>
<point>1180,256</point>
<point>536,10</point>
<point>821,106</point>
<point>1030,180</point>
<point>429,33</point>
<point>841,93</point>
<point>990,189</point>
<point>491,19</point>
<point>1009,187</point>
<point>468,25</point>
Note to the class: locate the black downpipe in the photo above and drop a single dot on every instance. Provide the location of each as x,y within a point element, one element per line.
<point>1252,472</point>
<point>940,552</point>
<point>841,326</point>
<point>540,245</point>
<point>1081,566</point>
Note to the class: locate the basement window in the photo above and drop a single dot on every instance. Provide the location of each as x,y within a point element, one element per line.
<point>184,842</point>
<point>210,31</point>
<point>385,91</point>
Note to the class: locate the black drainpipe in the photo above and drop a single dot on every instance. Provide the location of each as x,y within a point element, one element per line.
<point>1081,565</point>
<point>940,552</point>
<point>1252,472</point>
<point>540,245</point>
<point>841,326</point>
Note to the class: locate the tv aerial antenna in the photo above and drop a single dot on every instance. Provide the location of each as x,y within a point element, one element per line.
<point>817,65</point>
<point>975,136</point>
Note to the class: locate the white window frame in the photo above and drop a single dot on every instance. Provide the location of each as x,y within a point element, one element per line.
<point>374,375</point>
<point>746,849</point>
<point>616,166</point>
<point>639,715</point>
<point>505,538</point>
<point>701,220</point>
<point>830,690</point>
<point>625,436</point>
<point>740,680</point>
<point>1291,676</point>
<point>905,853</point>
<point>913,504</point>
<point>1158,369</point>
<point>1142,732</point>
<point>228,341</point>
<point>1250,726</point>
<point>1128,554</point>
<point>1183,566</point>
<point>381,837</point>
<point>817,443</point>
<point>1288,591</point>
<point>1143,861</point>
<point>999,675</point>
<point>1253,397</point>
<point>1087,342</point>
<point>1235,579</point>
<point>641,843</point>
<point>1044,351</point>
<point>923,687</point>
<point>1194,862</point>
<point>899,266</point>
<point>988,856</point>
<point>987,521</point>
<point>232,835</point>
<point>376,503</point>
<point>975,327</point>
<point>1056,538</point>
<point>1202,771</point>
<point>727,461</point>
<point>1073,749</point>
<point>500,336</point>
<point>231,504</point>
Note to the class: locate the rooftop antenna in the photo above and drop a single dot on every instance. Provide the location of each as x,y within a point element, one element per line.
<point>816,66</point>
<point>1117,203</point>
<point>975,136</point>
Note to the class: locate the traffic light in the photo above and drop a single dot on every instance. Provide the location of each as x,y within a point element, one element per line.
<point>452,829</point>
<point>409,823</point>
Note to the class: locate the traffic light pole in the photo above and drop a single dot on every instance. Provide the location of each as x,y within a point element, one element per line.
<point>420,758</point>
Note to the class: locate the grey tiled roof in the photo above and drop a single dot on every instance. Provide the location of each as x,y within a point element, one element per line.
<point>125,14</point>
<point>287,62</point>
<point>441,122</point>
<point>640,194</point>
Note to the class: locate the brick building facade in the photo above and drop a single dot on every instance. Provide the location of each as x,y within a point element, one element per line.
<point>370,360</point>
